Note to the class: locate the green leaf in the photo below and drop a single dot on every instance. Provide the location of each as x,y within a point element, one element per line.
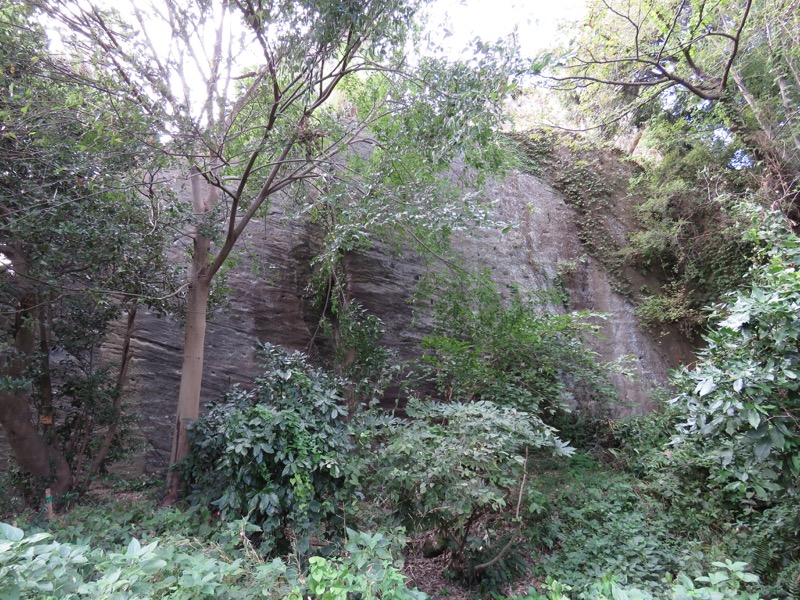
<point>736,320</point>
<point>705,387</point>
<point>718,577</point>
<point>111,576</point>
<point>38,537</point>
<point>134,547</point>
<point>11,533</point>
<point>618,593</point>
<point>777,438</point>
<point>763,448</point>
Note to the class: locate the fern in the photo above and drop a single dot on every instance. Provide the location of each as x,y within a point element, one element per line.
<point>775,549</point>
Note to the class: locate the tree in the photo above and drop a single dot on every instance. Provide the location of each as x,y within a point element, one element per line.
<point>78,244</point>
<point>734,59</point>
<point>274,116</point>
<point>739,406</point>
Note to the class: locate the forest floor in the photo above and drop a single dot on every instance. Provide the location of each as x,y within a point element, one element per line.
<point>588,519</point>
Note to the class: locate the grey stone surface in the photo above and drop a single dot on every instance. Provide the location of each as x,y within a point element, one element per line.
<point>268,302</point>
<point>544,248</point>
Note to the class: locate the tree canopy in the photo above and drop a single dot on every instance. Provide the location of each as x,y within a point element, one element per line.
<point>311,101</point>
<point>733,64</point>
<point>81,239</point>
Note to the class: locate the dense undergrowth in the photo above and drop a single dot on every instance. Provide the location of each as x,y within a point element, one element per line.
<point>588,529</point>
<point>619,522</point>
<point>290,495</point>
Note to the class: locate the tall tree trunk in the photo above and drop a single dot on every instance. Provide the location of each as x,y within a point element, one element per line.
<point>116,409</point>
<point>26,443</point>
<point>30,449</point>
<point>191,375</point>
<point>194,337</point>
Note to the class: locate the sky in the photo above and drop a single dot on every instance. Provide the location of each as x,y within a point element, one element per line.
<point>536,21</point>
<point>453,24</point>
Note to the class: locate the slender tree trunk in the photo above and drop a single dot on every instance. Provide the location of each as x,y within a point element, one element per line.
<point>45,384</point>
<point>346,355</point>
<point>634,143</point>
<point>766,140</point>
<point>781,62</point>
<point>191,377</point>
<point>194,338</point>
<point>122,375</point>
<point>340,296</point>
<point>64,475</point>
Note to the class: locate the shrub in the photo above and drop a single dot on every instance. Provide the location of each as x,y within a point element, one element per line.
<point>740,402</point>
<point>673,305</point>
<point>453,459</point>
<point>729,581</point>
<point>274,454</point>
<point>605,524</point>
<point>456,463</point>
<point>770,541</point>
<point>37,566</point>
<point>512,352</point>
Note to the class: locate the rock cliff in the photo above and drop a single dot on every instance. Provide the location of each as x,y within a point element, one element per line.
<point>268,303</point>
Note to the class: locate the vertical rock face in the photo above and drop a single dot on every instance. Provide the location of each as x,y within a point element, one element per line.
<point>268,302</point>
<point>543,250</point>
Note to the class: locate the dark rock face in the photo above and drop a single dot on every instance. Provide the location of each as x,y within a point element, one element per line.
<point>268,303</point>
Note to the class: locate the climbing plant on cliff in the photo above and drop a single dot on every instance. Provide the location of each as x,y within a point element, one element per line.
<point>708,94</point>
<point>245,94</point>
<point>690,228</point>
<point>512,351</point>
<point>79,243</point>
